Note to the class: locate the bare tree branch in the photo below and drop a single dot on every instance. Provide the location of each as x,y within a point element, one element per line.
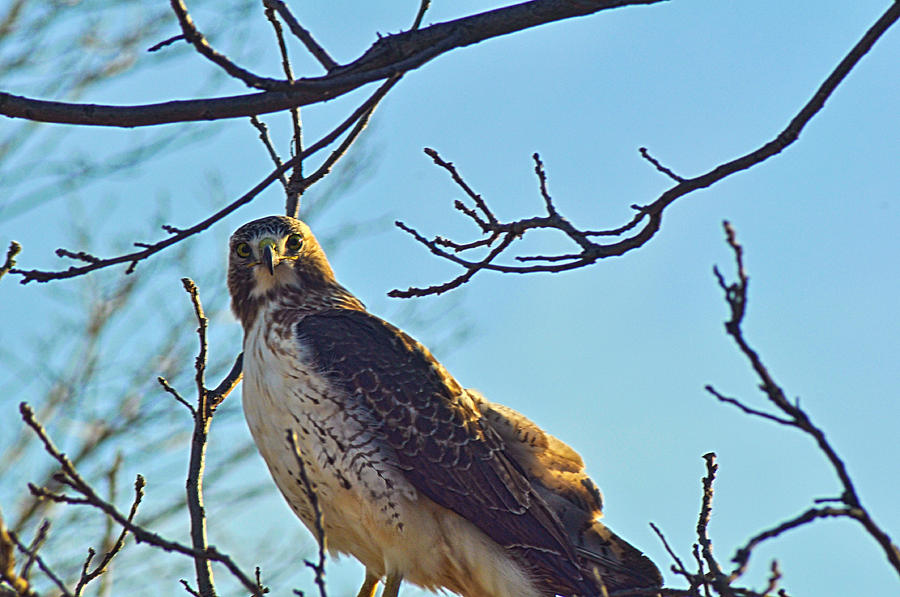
<point>649,216</point>
<point>424,5</point>
<point>142,535</point>
<point>202,420</point>
<point>88,576</point>
<point>736,298</point>
<point>358,120</point>
<point>196,39</point>
<point>14,249</point>
<point>293,188</point>
<point>9,542</point>
<point>390,55</point>
<point>302,34</point>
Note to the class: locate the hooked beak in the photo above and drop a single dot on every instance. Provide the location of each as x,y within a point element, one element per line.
<point>267,249</point>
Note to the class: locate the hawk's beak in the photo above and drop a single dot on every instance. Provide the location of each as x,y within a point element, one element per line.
<point>268,249</point>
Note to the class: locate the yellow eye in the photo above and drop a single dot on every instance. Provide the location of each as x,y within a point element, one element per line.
<point>242,250</point>
<point>294,242</point>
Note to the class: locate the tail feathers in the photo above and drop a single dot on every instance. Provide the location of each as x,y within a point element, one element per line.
<point>619,565</point>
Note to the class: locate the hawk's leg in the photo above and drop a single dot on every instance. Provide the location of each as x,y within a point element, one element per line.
<point>392,585</point>
<point>369,585</point>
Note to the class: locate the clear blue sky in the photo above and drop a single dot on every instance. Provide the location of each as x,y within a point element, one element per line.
<point>613,358</point>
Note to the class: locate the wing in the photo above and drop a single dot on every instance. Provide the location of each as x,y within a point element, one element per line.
<point>444,447</point>
<point>556,471</point>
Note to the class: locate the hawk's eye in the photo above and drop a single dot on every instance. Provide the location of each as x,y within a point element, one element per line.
<point>294,242</point>
<point>242,250</point>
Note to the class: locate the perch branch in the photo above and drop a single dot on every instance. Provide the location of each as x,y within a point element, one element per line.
<point>390,55</point>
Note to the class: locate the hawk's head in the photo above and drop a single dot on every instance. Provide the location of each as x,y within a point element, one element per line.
<point>278,257</point>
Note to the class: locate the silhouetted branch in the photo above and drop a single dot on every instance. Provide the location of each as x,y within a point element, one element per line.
<point>719,581</point>
<point>39,537</point>
<point>358,120</point>
<point>196,39</point>
<point>648,218</point>
<point>389,56</point>
<point>668,172</point>
<point>86,575</point>
<point>207,402</point>
<point>270,148</point>
<point>166,42</point>
<point>302,34</point>
<point>424,5</point>
<point>202,419</point>
<point>70,477</point>
<point>293,187</point>
<point>736,298</point>
<point>678,568</point>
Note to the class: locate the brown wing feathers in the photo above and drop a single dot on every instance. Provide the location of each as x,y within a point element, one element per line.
<point>442,444</point>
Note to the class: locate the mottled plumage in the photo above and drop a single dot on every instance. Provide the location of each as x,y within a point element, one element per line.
<point>418,478</point>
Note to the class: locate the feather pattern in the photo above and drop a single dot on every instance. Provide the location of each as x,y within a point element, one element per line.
<point>417,477</point>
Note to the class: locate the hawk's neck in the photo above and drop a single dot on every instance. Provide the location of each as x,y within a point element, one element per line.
<point>287,303</point>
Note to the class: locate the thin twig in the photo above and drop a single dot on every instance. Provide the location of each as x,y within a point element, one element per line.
<point>197,39</point>
<point>270,148</point>
<point>39,537</point>
<point>168,388</point>
<point>679,565</point>
<point>166,42</point>
<point>13,539</point>
<point>742,556</point>
<point>424,5</point>
<point>14,249</point>
<point>293,188</point>
<point>202,419</point>
<point>230,382</point>
<point>302,34</point>
<point>141,534</point>
<point>748,410</point>
<point>102,566</point>
<point>719,580</point>
<point>646,155</point>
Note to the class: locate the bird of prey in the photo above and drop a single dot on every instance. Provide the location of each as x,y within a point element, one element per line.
<point>415,476</point>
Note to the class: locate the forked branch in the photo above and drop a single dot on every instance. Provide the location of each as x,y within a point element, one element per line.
<point>795,417</point>
<point>647,219</point>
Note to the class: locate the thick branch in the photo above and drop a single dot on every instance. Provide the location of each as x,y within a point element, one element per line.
<point>390,55</point>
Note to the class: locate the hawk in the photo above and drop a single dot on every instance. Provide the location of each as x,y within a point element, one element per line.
<point>416,477</point>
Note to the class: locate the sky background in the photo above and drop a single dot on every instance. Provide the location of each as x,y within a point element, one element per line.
<point>611,358</point>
